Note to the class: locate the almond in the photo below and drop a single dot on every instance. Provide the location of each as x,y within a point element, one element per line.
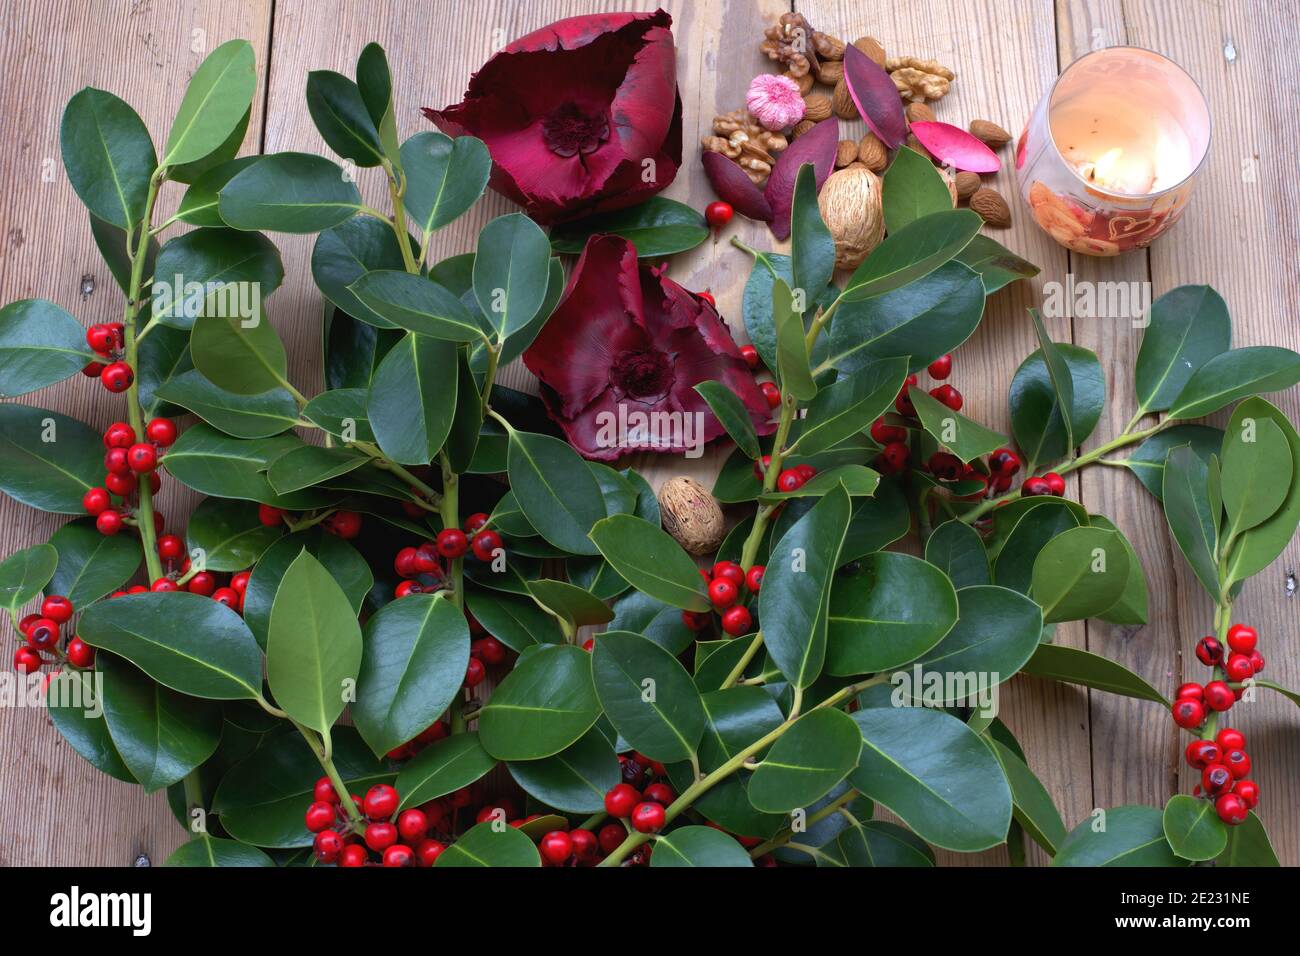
<point>805,82</point>
<point>915,144</point>
<point>967,184</point>
<point>842,102</point>
<point>919,113</point>
<point>830,72</point>
<point>872,48</point>
<point>991,134</point>
<point>872,153</point>
<point>845,153</point>
<point>801,127</point>
<point>991,207</point>
<point>817,107</point>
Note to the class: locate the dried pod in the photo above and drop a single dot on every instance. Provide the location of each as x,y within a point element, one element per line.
<point>842,102</point>
<point>967,183</point>
<point>691,515</point>
<point>845,153</point>
<point>919,113</point>
<point>991,134</point>
<point>850,204</point>
<point>817,107</point>
<point>872,153</point>
<point>991,207</point>
<point>872,48</point>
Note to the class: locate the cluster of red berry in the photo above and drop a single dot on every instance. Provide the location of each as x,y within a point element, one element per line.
<point>396,839</point>
<point>894,453</point>
<point>108,342</point>
<point>1221,757</point>
<point>42,631</point>
<point>340,523</point>
<point>730,587</point>
<point>128,460</point>
<point>421,567</point>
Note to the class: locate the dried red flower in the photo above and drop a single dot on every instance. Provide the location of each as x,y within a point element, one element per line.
<point>626,342</point>
<point>572,112</point>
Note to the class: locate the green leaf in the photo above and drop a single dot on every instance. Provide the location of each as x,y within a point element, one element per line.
<point>964,437</point>
<point>442,767</point>
<point>48,461</point>
<point>1039,524</point>
<point>218,96</point>
<point>1131,608</point>
<point>200,205</point>
<point>1062,382</point>
<point>921,320</point>
<point>652,619</point>
<point>1235,374</point>
<point>1257,472</point>
<point>518,342</point>
<point>1187,327</point>
<point>25,573</point>
<point>311,465</point>
<point>224,153</point>
<point>1032,805</point>
<point>1080,573</point>
<point>444,177</point>
<point>732,413</point>
<point>857,480</point>
<point>657,227</point>
<point>850,405</point>
<point>243,416</point>
<point>957,549</point>
<point>244,356</point>
<point>216,464</point>
<point>289,192</point>
<point>698,846</point>
<point>413,399</point>
<point>1132,836</point>
<point>997,265</point>
<point>313,644</point>
<point>648,557</point>
<point>161,735</point>
<point>511,272</point>
<point>545,704</point>
<point>112,243</point>
<point>791,345</point>
<point>163,356</point>
<point>578,607</point>
<point>912,188</point>
<point>342,413</point>
<point>205,850</point>
<point>576,779</point>
<point>1147,462</point>
<point>216,272</point>
<point>648,696</point>
<point>230,534</point>
<point>1187,510</point>
<point>416,304</point>
<point>819,750</point>
<point>486,845</point>
<point>345,253</point>
<point>1036,421</point>
<point>934,773</point>
<point>413,664</point>
<point>812,250</point>
<point>187,642</point>
<point>341,116</point>
<point>1193,828</point>
<point>1069,664</point>
<point>555,490</point>
<point>877,843</point>
<point>911,253</point>
<point>893,610</point>
<point>40,344</point>
<point>77,714</point>
<point>108,155</point>
<point>514,621</point>
<point>1248,845</point>
<point>375,82</point>
<point>1259,546</point>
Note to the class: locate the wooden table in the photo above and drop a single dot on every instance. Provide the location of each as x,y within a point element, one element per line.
<point>1239,234</point>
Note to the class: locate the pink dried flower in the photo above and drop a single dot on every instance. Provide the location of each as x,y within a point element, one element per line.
<point>775,101</point>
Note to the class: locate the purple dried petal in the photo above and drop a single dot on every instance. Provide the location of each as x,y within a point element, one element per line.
<point>875,96</point>
<point>732,185</point>
<point>817,146</point>
<point>955,147</point>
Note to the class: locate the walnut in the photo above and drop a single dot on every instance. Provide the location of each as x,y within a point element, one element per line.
<point>737,135</point>
<point>817,107</point>
<point>872,48</point>
<point>842,102</point>
<point>830,72</point>
<point>805,82</point>
<point>790,41</point>
<point>919,79</point>
<point>845,153</point>
<point>827,46</point>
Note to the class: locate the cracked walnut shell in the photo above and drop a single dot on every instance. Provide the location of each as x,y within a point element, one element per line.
<point>790,41</point>
<point>919,79</point>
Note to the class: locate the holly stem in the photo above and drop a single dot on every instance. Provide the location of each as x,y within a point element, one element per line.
<point>387,464</point>
<point>321,746</point>
<point>788,833</point>
<point>396,190</point>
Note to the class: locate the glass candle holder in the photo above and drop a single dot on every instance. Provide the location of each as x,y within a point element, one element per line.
<point>1110,154</point>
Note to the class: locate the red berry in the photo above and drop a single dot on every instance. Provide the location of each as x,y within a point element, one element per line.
<point>611,837</point>
<point>119,435</point>
<point>761,466</point>
<point>754,579</point>
<point>96,500</point>
<point>883,434</point>
<point>404,563</point>
<point>620,800</point>
<point>451,542</point>
<point>427,853</point>
<point>1242,638</point>
<point>92,369</point>
<point>1216,778</point>
<point>1237,761</point>
<point>556,847</point>
<point>427,560</point>
<point>380,802</point>
<point>142,457</point>
<point>1055,483</point>
<point>1035,486</point>
<point>1191,691</point>
<point>1256,661</point>
<point>1218,695</point>
<point>491,650</point>
<point>945,466</point>
<point>343,524</point>
<point>1231,809</point>
<point>164,584</point>
<point>729,570</point>
<point>380,836</point>
<point>737,620</point>
<point>354,854</point>
<point>806,471</point>
<point>171,547</point>
<point>109,522</point>
<point>949,396</point>
<point>327,846</point>
<point>695,620</point>
<point>100,338</point>
<point>42,633</point>
<point>475,672</point>
<point>269,516</point>
<point>323,792</point>
<point>941,367</point>
<point>718,214</point>
<point>660,793</point>
<point>485,545</point>
<point>903,403</point>
<point>584,843</point>
<point>320,816</point>
<point>1209,651</point>
<point>648,818</point>
<point>723,593</point>
<point>771,393</point>
<point>1188,714</point>
<point>1248,790</point>
<point>116,462</point>
<point>204,584</point>
<point>475,522</point>
<point>57,608</point>
<point>1239,668</point>
<point>26,661</point>
<point>789,480</point>
<point>1230,739</point>
<point>407,587</point>
<point>1004,461</point>
<point>161,431</point>
<point>80,654</point>
<point>895,456</point>
<point>1201,753</point>
<point>750,355</point>
<point>412,825</point>
<point>117,377</point>
<point>120,485</point>
<point>227,596</point>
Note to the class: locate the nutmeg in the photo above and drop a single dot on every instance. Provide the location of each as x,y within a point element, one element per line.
<point>967,183</point>
<point>850,204</point>
<point>991,134</point>
<point>842,102</point>
<point>845,153</point>
<point>872,153</point>
<point>991,207</point>
<point>817,107</point>
<point>691,515</point>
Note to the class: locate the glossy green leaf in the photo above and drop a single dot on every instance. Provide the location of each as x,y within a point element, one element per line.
<point>341,117</point>
<point>934,773</point>
<point>160,358</point>
<point>1260,545</point>
<point>576,779</point>
<point>877,843</point>
<point>1032,805</point>
<point>555,489</point>
<point>997,265</point>
<point>651,560</point>
<point>654,620</point>
<point>1069,664</point>
<point>442,767</point>
<point>1248,845</point>
<point>850,405</point>
<point>342,413</point>
<point>1147,461</point>
<point>215,272</point>
<point>25,573</point>
<point>413,664</point>
<point>78,716</point>
<point>413,399</point>
<point>187,642</point>
<point>244,356</point>
<point>964,437</point>
<point>545,704</point>
<point>112,243</point>
<point>311,465</point>
<point>40,344</point>
<point>657,227</point>
<point>1187,327</point>
<point>792,359</point>
<point>1123,836</point>
<point>819,750</point>
<point>912,187</point>
<point>200,206</point>
<point>1061,380</point>
<point>1014,566</point>
<point>698,846</point>
<point>911,253</point>
<point>648,696</point>
<point>216,99</point>
<point>1256,472</point>
<point>1131,608</point>
<point>1036,421</point>
<point>579,607</point>
<point>444,177</point>
<point>108,155</point>
<point>857,480</point>
<point>514,621</point>
<point>289,192</point>
<point>732,413</point>
<point>490,844</point>
<point>48,461</point>
<point>511,272</point>
<point>1193,828</point>
<point>793,604</point>
<point>224,153</point>
<point>416,304</point>
<point>375,83</point>
<point>243,416</point>
<point>230,534</point>
<point>957,549</point>
<point>1235,374</point>
<point>206,850</point>
<point>1187,510</point>
<point>876,522</point>
<point>812,249</point>
<point>216,464</point>
<point>1080,573</point>
<point>345,253</point>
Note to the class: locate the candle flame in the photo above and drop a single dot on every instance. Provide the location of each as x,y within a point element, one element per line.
<point>1104,168</point>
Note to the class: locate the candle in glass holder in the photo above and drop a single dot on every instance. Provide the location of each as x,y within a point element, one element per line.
<point>1110,154</point>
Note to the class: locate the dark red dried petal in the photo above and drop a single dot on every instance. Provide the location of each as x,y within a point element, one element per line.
<point>731,185</point>
<point>875,96</point>
<point>817,146</point>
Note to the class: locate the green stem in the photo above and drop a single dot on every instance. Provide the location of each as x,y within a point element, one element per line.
<point>321,747</point>
<point>787,834</point>
<point>395,192</point>
<point>451,519</point>
<point>745,658</point>
<point>386,463</point>
<point>193,797</point>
